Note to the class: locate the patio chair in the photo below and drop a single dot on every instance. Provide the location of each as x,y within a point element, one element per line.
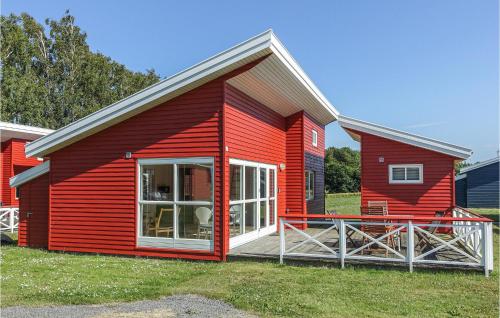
<point>158,228</point>
<point>235,216</point>
<point>376,230</point>
<point>204,215</point>
<point>423,239</point>
<point>348,231</point>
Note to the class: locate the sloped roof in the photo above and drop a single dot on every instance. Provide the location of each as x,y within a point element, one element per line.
<point>10,131</point>
<point>29,174</point>
<point>480,165</point>
<point>350,124</point>
<point>277,81</point>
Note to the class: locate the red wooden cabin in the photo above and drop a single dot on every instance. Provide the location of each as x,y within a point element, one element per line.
<point>190,167</point>
<point>13,160</point>
<point>415,175</point>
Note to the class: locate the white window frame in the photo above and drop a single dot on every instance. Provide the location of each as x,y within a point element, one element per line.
<point>175,242</point>
<point>406,166</point>
<point>314,138</point>
<point>267,229</point>
<point>308,175</point>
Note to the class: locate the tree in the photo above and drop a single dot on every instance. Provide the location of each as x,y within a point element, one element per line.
<point>342,170</point>
<point>51,79</point>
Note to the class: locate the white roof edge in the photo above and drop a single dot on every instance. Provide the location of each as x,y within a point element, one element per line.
<point>264,43</point>
<point>404,137</point>
<point>460,177</point>
<point>25,129</point>
<point>480,164</point>
<point>29,174</point>
<point>280,50</point>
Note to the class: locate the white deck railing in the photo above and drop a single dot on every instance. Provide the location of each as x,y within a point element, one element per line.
<point>464,241</point>
<point>9,219</point>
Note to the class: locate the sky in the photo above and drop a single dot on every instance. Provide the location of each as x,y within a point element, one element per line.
<point>426,67</point>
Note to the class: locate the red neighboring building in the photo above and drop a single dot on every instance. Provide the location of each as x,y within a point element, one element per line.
<point>13,160</point>
<point>190,167</point>
<point>414,174</point>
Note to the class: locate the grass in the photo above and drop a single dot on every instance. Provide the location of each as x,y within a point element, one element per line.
<point>343,203</point>
<point>37,277</point>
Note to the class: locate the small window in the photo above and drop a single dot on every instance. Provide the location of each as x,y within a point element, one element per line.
<point>309,185</point>
<point>407,174</point>
<point>315,138</point>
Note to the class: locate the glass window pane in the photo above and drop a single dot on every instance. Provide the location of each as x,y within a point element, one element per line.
<point>263,183</point>
<point>235,220</point>
<point>271,183</point>
<point>250,217</point>
<point>235,182</point>
<point>412,173</point>
<point>271,212</point>
<point>398,173</point>
<point>195,182</point>
<point>250,183</point>
<point>194,222</point>
<point>157,220</point>
<point>263,214</point>
<point>157,182</point>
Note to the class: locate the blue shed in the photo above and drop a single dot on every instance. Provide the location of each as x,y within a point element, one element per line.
<point>477,186</point>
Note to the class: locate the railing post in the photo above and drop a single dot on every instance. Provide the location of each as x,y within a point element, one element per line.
<point>410,248</point>
<point>487,248</point>
<point>282,240</point>
<point>11,220</point>
<point>342,243</point>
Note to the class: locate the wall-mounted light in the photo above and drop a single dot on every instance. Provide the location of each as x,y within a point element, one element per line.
<point>380,159</point>
<point>128,155</point>
<point>282,166</point>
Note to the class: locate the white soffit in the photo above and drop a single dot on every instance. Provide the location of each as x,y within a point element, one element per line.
<point>11,131</point>
<point>423,142</point>
<point>480,164</point>
<point>29,174</point>
<point>300,93</point>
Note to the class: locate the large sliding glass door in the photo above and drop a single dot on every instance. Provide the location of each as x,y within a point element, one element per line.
<point>252,200</point>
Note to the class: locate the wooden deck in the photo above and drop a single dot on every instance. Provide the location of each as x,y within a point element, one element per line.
<point>268,248</point>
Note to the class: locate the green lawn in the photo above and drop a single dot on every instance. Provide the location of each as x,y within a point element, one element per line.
<point>343,203</point>
<point>37,277</point>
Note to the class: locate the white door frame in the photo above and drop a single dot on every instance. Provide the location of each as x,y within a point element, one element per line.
<point>267,229</point>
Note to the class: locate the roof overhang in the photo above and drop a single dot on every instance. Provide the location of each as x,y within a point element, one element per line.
<point>480,165</point>
<point>29,174</point>
<point>16,131</point>
<point>278,81</point>
<point>351,126</point>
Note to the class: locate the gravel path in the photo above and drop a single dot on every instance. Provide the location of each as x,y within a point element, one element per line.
<point>173,306</point>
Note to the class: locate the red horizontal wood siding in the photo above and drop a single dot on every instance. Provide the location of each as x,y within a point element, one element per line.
<point>256,133</point>
<point>93,186</point>
<point>309,125</point>
<point>295,195</point>
<point>33,230</point>
<point>436,192</point>
<point>14,161</point>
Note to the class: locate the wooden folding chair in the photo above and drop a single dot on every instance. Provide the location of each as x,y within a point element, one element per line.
<point>424,240</point>
<point>376,230</point>
<point>348,231</point>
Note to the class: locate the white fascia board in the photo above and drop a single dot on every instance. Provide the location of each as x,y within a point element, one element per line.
<point>4,126</point>
<point>404,137</point>
<point>29,174</point>
<point>287,59</point>
<point>460,176</point>
<point>251,49</point>
<point>480,164</point>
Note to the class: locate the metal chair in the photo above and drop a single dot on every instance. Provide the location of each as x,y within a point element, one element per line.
<point>204,215</point>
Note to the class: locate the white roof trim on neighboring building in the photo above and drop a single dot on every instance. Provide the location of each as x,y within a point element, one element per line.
<point>480,165</point>
<point>460,176</point>
<point>29,174</point>
<point>257,47</point>
<point>10,130</point>
<point>403,137</point>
